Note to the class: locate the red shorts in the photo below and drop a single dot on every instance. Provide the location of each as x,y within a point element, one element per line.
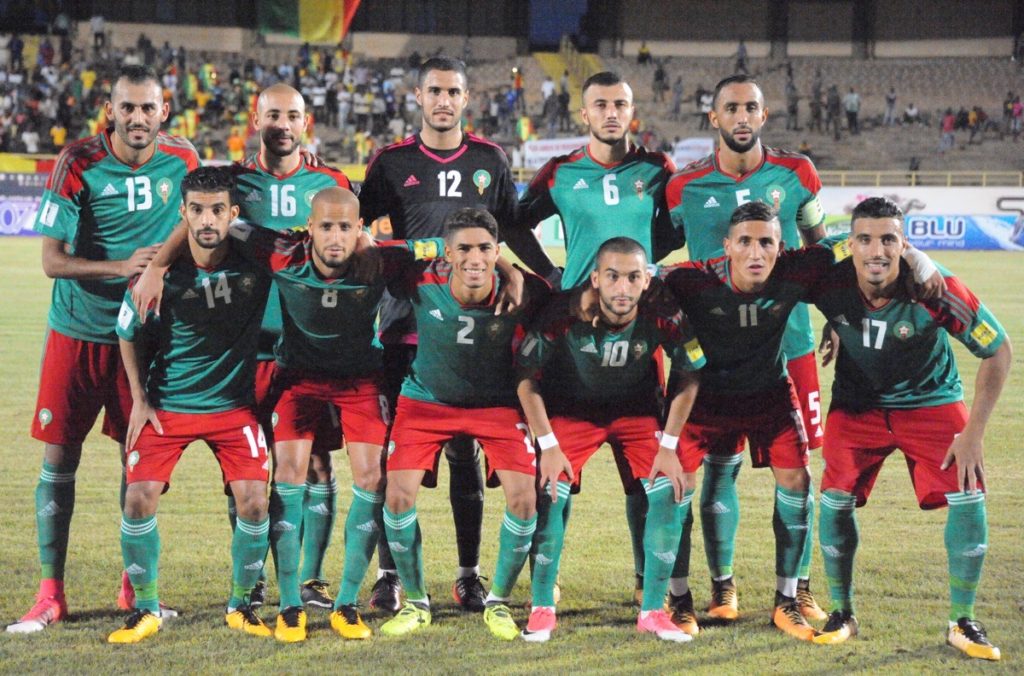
<point>770,421</point>
<point>77,379</point>
<point>422,427</point>
<point>636,436</point>
<point>234,436</point>
<point>327,436</point>
<point>305,403</point>
<point>856,445</point>
<point>803,371</point>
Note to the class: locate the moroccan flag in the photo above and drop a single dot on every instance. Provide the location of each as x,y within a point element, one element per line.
<point>316,21</point>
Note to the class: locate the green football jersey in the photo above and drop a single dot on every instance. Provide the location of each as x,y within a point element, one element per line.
<point>585,370</point>
<point>465,352</point>
<point>329,325</point>
<point>205,336</point>
<point>701,198</point>
<point>742,333</point>
<point>898,355</point>
<point>104,209</point>
<point>280,203</point>
<point>597,202</point>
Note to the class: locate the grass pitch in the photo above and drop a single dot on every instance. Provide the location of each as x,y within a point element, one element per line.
<point>901,569</point>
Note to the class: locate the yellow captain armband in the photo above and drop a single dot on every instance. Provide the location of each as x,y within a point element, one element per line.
<point>984,334</point>
<point>426,249</point>
<point>841,250</point>
<point>694,351</point>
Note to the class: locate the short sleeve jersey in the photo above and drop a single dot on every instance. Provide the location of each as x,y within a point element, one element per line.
<point>105,209</point>
<point>742,333</point>
<point>279,203</point>
<point>597,202</point>
<point>329,324</point>
<point>205,335</point>
<point>701,198</point>
<point>466,353</point>
<point>417,187</point>
<point>585,371</point>
<point>898,355</point>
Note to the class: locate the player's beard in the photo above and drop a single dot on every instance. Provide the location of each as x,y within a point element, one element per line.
<point>620,317</point>
<point>455,122</point>
<point>124,132</point>
<point>332,263</point>
<point>269,143</point>
<point>737,147</point>
<point>207,244</point>
<point>610,139</point>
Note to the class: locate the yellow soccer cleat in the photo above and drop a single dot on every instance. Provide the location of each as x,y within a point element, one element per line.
<point>291,625</point>
<point>410,618</point>
<point>787,617</point>
<point>969,637</point>
<point>498,618</point>
<point>841,626</point>
<point>809,608</point>
<point>244,618</point>
<point>724,600</point>
<point>681,613</point>
<point>348,623</point>
<point>140,625</point>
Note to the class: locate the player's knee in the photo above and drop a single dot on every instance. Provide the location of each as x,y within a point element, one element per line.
<point>792,479</point>
<point>251,505</point>
<point>64,456</point>
<point>291,468</point>
<point>522,504</point>
<point>140,500</point>
<point>399,498</point>
<point>368,478</point>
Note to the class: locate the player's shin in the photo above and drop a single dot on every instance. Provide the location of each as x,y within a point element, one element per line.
<point>789,522</point>
<point>966,540</point>
<point>804,571</point>
<point>319,511</point>
<point>286,521</point>
<point>636,516</point>
<point>679,581</point>
<point>248,552</point>
<point>514,540</point>
<point>548,541</point>
<point>466,494</point>
<point>661,541</point>
<point>839,536</point>
<point>720,512</point>
<point>55,503</point>
<point>140,547</point>
<point>406,544</point>
<point>363,527</point>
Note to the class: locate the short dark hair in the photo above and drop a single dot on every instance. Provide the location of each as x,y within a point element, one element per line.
<point>605,78</point>
<point>876,207</point>
<point>739,78</point>
<point>620,245</point>
<point>446,63</point>
<point>470,217</point>
<point>137,74</point>
<point>209,180</point>
<point>753,211</point>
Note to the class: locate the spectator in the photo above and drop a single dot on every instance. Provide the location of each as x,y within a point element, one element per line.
<point>563,84</point>
<point>46,52</point>
<point>816,85</point>
<point>1015,120</point>
<point>98,25</point>
<point>677,99</point>
<point>851,104</point>
<point>816,106</point>
<point>890,108</point>
<point>948,132</point>
<point>706,99</point>
<point>564,118</point>
<point>5,50</point>
<point>17,47</point>
<point>643,56</point>
<point>832,111</point>
<point>741,58</point>
<point>66,49</point>
<point>660,83</point>
<point>547,88</point>
<point>236,145</point>
<point>58,136</point>
<point>792,106</point>
<point>911,115</point>
<point>973,124</point>
<point>1007,111</point>
<point>30,138</point>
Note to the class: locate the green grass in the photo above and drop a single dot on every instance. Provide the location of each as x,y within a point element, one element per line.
<point>901,579</point>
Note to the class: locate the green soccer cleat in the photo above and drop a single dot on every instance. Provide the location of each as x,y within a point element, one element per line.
<point>409,619</point>
<point>498,619</point>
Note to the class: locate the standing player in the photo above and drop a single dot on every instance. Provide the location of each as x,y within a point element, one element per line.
<point>109,200</point>
<point>197,384</point>
<point>701,198</point>
<point>447,394</point>
<point>605,189</point>
<point>598,384</point>
<point>417,183</point>
<point>897,386</point>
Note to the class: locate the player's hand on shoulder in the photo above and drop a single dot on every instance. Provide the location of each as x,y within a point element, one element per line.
<point>828,348</point>
<point>311,160</point>
<point>367,264</point>
<point>512,296</point>
<point>584,305</point>
<point>931,289</point>
<point>137,262</point>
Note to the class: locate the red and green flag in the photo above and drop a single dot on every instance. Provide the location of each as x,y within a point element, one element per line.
<point>317,21</point>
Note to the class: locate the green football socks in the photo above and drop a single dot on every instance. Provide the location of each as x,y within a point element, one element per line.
<point>839,537</point>
<point>514,540</point>
<point>285,522</point>
<point>966,539</point>
<point>319,509</point>
<point>661,541</point>
<point>406,544</point>
<point>248,552</point>
<point>140,548</point>
<point>55,503</point>
<point>720,512</point>
<point>362,530</point>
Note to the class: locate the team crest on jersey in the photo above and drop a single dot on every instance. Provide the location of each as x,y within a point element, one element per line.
<point>163,188</point>
<point>776,195</point>
<point>903,330</point>
<point>481,179</point>
<point>45,417</point>
<point>360,294</point>
<point>133,460</point>
<point>639,187</point>
<point>639,348</point>
<point>247,282</point>
<point>494,329</point>
<point>273,420</point>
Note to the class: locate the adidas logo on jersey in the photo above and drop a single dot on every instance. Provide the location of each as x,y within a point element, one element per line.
<point>255,565</point>
<point>51,509</point>
<point>321,508</point>
<point>189,295</point>
<point>109,190</point>
<point>436,314</point>
<point>135,569</point>
<point>711,203</point>
<point>718,311</point>
<point>580,185</point>
<point>589,348</point>
<point>719,508</point>
<point>254,196</point>
<point>367,527</point>
<point>411,182</point>
<point>841,319</point>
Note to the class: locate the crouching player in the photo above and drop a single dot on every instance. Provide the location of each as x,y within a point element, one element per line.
<point>598,383</point>
<point>461,384</point>
<point>897,386</point>
<point>198,384</point>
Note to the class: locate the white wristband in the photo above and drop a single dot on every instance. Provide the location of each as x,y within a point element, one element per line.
<point>669,441</point>
<point>921,264</point>
<point>547,441</point>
